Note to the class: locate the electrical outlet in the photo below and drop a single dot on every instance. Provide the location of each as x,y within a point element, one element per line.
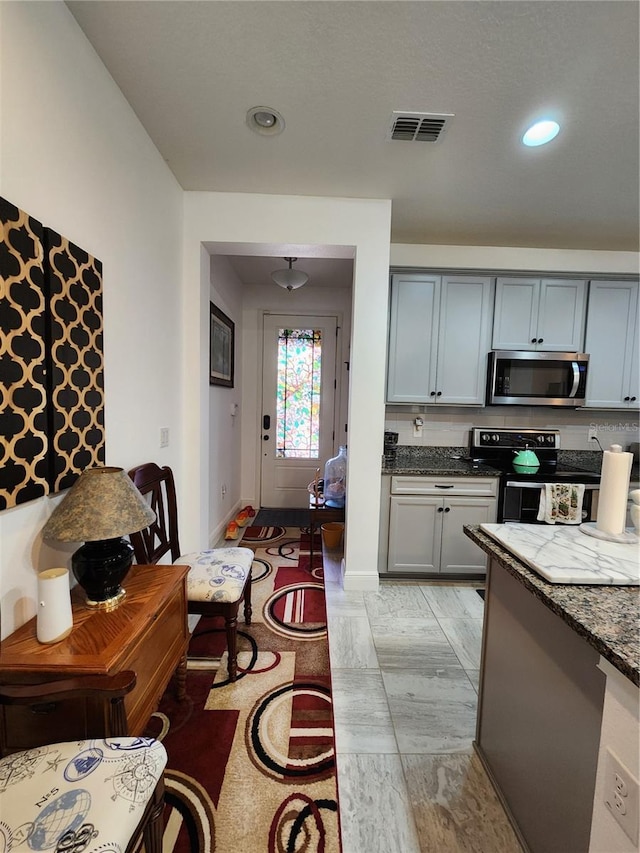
<point>164,436</point>
<point>622,795</point>
<point>223,490</point>
<point>593,433</point>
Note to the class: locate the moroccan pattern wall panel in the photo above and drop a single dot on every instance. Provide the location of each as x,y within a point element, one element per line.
<point>76,370</point>
<point>23,398</point>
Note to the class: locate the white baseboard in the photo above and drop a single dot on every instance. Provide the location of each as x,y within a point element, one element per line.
<point>216,537</point>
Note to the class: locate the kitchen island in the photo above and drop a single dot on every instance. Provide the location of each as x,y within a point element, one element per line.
<point>558,690</point>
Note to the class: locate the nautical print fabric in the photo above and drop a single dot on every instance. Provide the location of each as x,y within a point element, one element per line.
<point>87,795</point>
<point>218,574</point>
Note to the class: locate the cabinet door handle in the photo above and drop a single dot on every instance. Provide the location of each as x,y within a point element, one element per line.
<point>627,399</point>
<point>540,340</point>
<point>432,394</point>
<point>633,399</point>
<point>440,509</point>
<point>534,340</point>
<point>439,394</point>
<point>447,509</point>
<point>443,486</point>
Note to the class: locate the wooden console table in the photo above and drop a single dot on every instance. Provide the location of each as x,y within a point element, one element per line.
<point>147,633</point>
<point>320,514</point>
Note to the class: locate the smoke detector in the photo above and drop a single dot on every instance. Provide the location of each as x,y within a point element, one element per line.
<point>418,127</point>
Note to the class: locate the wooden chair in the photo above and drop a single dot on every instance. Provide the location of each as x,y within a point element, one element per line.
<point>219,579</point>
<point>77,795</point>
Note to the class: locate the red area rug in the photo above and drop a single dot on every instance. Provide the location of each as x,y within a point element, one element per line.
<point>252,764</point>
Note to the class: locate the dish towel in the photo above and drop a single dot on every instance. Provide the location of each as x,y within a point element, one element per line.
<point>561,503</point>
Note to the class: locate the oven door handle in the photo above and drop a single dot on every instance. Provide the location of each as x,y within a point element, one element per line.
<point>576,379</point>
<point>588,487</point>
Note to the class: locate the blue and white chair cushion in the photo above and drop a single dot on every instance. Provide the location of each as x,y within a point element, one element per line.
<point>84,795</point>
<point>218,574</point>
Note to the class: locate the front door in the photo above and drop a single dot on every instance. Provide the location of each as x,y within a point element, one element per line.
<point>298,405</point>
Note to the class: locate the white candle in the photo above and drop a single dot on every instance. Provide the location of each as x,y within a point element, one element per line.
<point>614,487</point>
<point>54,620</point>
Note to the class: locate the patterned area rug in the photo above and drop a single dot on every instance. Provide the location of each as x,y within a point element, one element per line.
<point>252,764</point>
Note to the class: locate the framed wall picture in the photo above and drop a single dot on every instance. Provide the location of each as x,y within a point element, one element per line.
<point>221,348</point>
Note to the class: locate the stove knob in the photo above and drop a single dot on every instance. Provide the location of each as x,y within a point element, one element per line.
<point>495,437</point>
<point>485,436</point>
<point>540,439</point>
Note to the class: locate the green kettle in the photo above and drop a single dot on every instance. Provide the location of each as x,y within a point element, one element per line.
<point>525,461</point>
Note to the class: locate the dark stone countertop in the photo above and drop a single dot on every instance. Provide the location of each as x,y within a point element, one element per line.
<point>435,462</point>
<point>608,617</point>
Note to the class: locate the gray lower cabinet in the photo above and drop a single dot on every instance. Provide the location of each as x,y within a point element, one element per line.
<point>426,517</point>
<point>539,717</point>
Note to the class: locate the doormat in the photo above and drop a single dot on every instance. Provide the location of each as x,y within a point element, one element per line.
<point>252,763</point>
<point>282,517</point>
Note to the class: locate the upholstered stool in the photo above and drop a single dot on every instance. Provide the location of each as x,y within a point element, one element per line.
<point>89,795</point>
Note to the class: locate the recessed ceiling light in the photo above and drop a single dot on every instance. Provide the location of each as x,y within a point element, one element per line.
<point>540,133</point>
<point>265,120</point>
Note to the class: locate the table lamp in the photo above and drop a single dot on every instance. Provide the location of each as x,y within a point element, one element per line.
<point>101,507</point>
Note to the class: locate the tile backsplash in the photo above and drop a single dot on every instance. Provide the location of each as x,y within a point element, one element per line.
<point>451,427</point>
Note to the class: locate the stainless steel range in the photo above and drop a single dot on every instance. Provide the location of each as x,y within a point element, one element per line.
<point>519,493</point>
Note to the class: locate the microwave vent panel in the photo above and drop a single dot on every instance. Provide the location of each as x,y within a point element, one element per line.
<point>418,127</point>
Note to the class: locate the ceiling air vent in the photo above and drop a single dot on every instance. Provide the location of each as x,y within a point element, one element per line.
<point>418,127</point>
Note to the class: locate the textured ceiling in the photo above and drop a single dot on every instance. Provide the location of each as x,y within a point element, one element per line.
<point>337,70</point>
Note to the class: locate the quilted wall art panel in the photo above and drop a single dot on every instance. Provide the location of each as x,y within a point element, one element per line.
<point>51,360</point>
<point>76,364</point>
<point>23,397</point>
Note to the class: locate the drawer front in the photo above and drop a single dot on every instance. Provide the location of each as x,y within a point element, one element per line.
<point>466,486</point>
<point>154,659</point>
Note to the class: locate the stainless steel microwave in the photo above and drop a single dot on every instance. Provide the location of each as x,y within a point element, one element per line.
<point>520,378</point>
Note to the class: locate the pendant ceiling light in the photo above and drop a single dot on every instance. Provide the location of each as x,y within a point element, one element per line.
<point>290,279</point>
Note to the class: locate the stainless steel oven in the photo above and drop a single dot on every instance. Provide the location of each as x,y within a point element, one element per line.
<point>519,493</point>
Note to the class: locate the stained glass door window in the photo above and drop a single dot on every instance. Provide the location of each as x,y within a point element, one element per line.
<point>298,393</point>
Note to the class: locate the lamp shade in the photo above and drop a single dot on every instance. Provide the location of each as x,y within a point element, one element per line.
<point>102,504</point>
<point>290,279</point>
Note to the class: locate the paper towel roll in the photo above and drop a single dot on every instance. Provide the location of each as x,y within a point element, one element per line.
<point>54,620</point>
<point>614,486</point>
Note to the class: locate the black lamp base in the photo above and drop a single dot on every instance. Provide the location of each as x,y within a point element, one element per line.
<point>100,568</point>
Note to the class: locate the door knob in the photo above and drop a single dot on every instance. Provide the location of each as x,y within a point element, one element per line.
<point>265,438</point>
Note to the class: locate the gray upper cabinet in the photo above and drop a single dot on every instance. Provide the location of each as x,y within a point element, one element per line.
<point>612,344</point>
<point>539,314</point>
<point>439,337</point>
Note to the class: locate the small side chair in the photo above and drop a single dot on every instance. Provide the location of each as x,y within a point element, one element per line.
<point>100,793</point>
<point>219,579</point>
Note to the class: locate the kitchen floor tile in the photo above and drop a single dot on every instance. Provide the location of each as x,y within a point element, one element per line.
<point>396,599</point>
<point>450,601</point>
<point>362,721</point>
<point>341,603</point>
<point>465,636</point>
<point>411,642</point>
<point>455,807</point>
<point>375,812</point>
<point>432,710</point>
<point>351,644</point>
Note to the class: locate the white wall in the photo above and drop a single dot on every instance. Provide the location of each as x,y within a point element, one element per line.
<point>363,224</point>
<point>224,427</point>
<point>306,300</point>
<point>74,156</point>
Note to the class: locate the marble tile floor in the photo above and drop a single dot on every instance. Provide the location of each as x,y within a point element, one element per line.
<point>404,668</point>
